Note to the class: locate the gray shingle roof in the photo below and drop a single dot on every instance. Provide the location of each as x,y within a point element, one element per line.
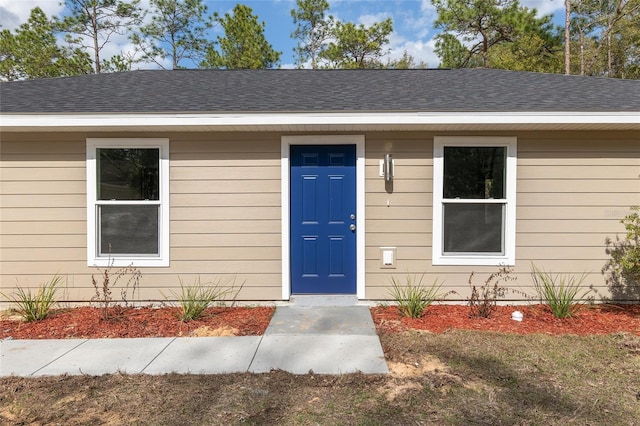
<point>435,90</point>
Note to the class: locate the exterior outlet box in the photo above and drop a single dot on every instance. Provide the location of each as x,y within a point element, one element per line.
<point>388,257</point>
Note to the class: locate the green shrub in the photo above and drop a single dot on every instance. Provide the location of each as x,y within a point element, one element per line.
<point>195,298</point>
<point>413,298</point>
<point>36,306</point>
<point>564,295</point>
<point>623,267</point>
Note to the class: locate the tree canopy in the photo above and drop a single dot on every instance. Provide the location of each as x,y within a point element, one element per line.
<point>32,52</point>
<point>312,30</point>
<point>605,38</point>
<point>599,37</point>
<point>329,43</point>
<point>495,33</point>
<point>95,21</point>
<point>177,31</point>
<point>358,46</point>
<point>243,45</point>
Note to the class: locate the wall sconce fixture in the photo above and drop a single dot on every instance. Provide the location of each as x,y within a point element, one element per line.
<point>386,167</point>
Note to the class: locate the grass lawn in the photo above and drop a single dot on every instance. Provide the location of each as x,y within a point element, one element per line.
<point>456,377</point>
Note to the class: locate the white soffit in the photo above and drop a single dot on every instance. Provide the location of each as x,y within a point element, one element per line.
<point>324,121</point>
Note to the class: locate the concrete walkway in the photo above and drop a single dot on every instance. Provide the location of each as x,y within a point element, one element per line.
<point>299,339</point>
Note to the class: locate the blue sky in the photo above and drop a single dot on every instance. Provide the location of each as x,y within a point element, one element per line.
<point>412,21</point>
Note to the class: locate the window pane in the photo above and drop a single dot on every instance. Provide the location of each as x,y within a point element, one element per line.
<point>473,228</point>
<point>128,174</point>
<point>474,172</point>
<point>128,230</point>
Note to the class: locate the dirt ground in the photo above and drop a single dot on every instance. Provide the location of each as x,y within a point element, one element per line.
<point>456,377</point>
<point>445,368</point>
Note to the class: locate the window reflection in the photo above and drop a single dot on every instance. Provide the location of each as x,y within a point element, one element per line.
<point>128,174</point>
<point>128,230</point>
<point>474,172</point>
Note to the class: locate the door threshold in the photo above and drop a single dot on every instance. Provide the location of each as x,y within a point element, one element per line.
<point>310,300</point>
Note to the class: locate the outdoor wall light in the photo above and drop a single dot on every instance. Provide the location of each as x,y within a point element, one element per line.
<point>388,167</point>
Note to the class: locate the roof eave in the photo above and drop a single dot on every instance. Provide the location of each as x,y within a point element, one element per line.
<point>332,121</point>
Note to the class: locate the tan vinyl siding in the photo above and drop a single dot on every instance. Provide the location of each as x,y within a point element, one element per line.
<point>42,209</point>
<point>225,200</point>
<point>573,189</point>
<point>224,210</point>
<point>398,215</point>
<point>572,193</point>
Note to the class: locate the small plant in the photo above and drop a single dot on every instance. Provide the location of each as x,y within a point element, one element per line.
<point>36,306</point>
<point>623,267</point>
<point>195,298</point>
<point>413,298</point>
<point>562,294</point>
<point>483,300</point>
<point>110,278</point>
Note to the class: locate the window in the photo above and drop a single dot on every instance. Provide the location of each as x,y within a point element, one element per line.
<point>128,202</point>
<point>474,191</point>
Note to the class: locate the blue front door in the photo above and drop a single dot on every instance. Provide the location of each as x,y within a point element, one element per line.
<point>323,218</point>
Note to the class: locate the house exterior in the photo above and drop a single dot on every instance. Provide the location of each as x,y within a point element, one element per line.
<point>306,181</point>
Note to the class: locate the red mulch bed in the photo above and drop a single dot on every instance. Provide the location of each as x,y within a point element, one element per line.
<point>87,322</point>
<point>599,319</point>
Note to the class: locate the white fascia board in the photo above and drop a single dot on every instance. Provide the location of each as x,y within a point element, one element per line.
<point>209,121</point>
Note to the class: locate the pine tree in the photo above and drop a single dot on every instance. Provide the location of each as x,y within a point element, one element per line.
<point>243,45</point>
<point>32,52</point>
<point>177,31</point>
<point>358,46</point>
<point>98,21</point>
<point>494,33</point>
<point>312,30</point>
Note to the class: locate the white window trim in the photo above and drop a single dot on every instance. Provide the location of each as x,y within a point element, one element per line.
<point>163,244</point>
<point>359,142</point>
<point>509,256</point>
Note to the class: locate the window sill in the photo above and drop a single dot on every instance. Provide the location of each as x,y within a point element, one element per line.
<point>138,262</point>
<point>473,261</point>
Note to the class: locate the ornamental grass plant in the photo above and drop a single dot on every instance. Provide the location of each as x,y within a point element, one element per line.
<point>36,306</point>
<point>564,295</point>
<point>195,298</point>
<point>413,298</point>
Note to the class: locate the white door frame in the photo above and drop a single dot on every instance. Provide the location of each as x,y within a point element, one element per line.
<point>286,142</point>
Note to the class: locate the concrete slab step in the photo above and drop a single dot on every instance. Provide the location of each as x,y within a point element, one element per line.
<point>316,300</point>
<point>336,320</point>
<point>321,339</point>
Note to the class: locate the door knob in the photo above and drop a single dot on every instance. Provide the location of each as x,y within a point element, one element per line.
<point>352,227</point>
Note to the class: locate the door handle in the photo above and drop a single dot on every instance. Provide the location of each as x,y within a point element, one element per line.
<point>352,227</point>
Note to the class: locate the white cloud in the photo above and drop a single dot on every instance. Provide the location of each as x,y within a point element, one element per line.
<point>369,20</point>
<point>544,7</point>
<point>419,24</point>
<point>16,12</point>
<point>413,33</point>
<point>420,50</point>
